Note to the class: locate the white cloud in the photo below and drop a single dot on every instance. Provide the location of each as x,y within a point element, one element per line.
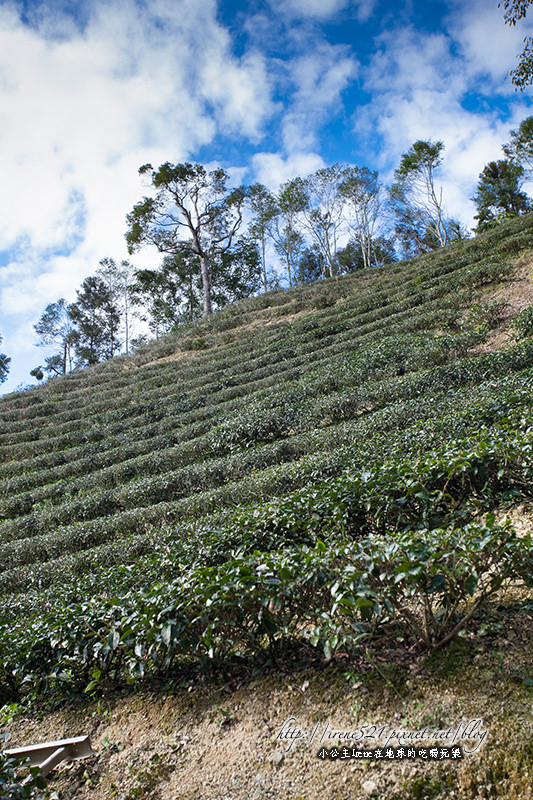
<point>272,169</point>
<point>421,86</point>
<point>488,47</point>
<point>323,9</point>
<point>239,91</point>
<point>81,109</point>
<point>318,76</point>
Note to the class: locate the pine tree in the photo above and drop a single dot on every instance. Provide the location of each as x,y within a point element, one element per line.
<point>499,195</point>
<point>96,321</point>
<point>4,366</point>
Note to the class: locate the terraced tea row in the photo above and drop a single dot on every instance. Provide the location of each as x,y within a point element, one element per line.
<point>306,404</point>
<point>180,414</point>
<point>358,444</point>
<point>66,650</point>
<point>425,317</point>
<point>405,284</point>
<point>257,442</point>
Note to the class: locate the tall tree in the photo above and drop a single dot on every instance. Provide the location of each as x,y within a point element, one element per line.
<point>415,188</point>
<point>237,272</point>
<point>516,10</point>
<point>4,365</point>
<point>350,258</point>
<point>288,240</point>
<point>499,193</point>
<point>56,330</point>
<point>193,211</point>
<point>118,279</point>
<point>96,321</point>
<point>170,295</point>
<point>289,245</point>
<point>412,226</point>
<point>311,266</point>
<point>363,194</point>
<point>520,147</point>
<point>263,206</point>
<point>322,212</point>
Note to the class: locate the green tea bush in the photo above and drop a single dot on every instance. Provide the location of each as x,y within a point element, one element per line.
<point>427,584</point>
<point>523,323</point>
<point>17,781</point>
<point>246,484</point>
<point>434,581</point>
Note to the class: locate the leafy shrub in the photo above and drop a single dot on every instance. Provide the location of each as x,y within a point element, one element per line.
<point>484,316</point>
<point>433,582</point>
<point>197,343</point>
<point>486,272</point>
<point>18,782</point>
<point>340,427</point>
<point>426,583</point>
<point>523,323</point>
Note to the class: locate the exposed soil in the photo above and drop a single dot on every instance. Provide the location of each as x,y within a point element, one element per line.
<point>222,740</point>
<point>216,740</point>
<point>517,295</point>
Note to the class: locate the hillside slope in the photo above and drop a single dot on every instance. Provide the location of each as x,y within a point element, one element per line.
<point>305,480</point>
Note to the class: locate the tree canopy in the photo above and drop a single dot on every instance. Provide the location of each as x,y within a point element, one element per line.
<point>169,295</point>
<point>520,147</point>
<point>515,10</point>
<point>363,193</point>
<point>193,211</point>
<point>55,329</point>
<point>416,199</point>
<point>263,206</point>
<point>4,365</point>
<point>499,193</point>
<point>96,320</point>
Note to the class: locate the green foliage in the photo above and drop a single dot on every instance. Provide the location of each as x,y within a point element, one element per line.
<point>426,583</point>
<point>362,191</point>
<point>498,195</point>
<point>4,366</point>
<point>263,206</point>
<point>17,782</point>
<point>96,319</point>
<point>523,323</point>
<point>484,316</point>
<point>416,202</point>
<point>434,581</point>
<point>194,213</point>
<point>520,148</point>
<point>169,295</point>
<point>309,468</point>
<point>55,329</point>
<point>522,75</point>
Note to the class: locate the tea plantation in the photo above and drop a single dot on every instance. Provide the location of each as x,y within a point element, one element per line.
<point>312,469</point>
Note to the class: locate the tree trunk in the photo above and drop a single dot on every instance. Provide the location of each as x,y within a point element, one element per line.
<point>263,251</point>
<point>289,270</point>
<point>206,284</point>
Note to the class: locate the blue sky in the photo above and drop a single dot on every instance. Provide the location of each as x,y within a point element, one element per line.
<point>267,89</point>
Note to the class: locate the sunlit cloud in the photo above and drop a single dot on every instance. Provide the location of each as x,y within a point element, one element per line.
<point>318,79</point>
<point>322,9</point>
<point>488,48</point>
<point>421,85</point>
<point>272,169</point>
<point>90,94</point>
<point>82,108</point>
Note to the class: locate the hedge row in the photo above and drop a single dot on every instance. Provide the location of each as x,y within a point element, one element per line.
<point>425,584</point>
